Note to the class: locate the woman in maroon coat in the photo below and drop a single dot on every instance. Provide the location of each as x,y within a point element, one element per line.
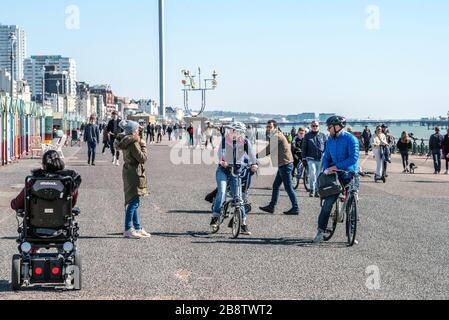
<point>51,164</point>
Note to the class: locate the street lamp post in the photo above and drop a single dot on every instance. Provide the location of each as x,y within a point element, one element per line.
<point>162,58</point>
<point>13,39</point>
<point>43,85</point>
<point>57,93</point>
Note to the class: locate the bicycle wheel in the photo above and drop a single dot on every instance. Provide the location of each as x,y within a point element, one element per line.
<point>236,223</point>
<point>351,221</point>
<point>297,178</point>
<point>306,179</point>
<point>333,221</point>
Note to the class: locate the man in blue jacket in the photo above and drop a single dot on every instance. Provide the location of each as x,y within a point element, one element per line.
<point>341,154</point>
<point>313,147</point>
<point>92,137</point>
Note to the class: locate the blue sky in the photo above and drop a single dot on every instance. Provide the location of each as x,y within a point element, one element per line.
<point>286,56</point>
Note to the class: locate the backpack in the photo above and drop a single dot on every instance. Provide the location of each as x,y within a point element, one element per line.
<point>329,185</point>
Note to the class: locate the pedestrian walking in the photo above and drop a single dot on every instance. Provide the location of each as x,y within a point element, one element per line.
<point>446,151</point>
<point>105,140</point>
<point>435,146</point>
<point>159,133</point>
<point>169,132</point>
<point>92,138</point>
<point>210,132</point>
<point>199,136</point>
<point>404,146</point>
<point>114,130</point>
<point>190,132</point>
<point>377,141</point>
<point>366,136</point>
<point>313,148</point>
<point>134,179</point>
<point>281,155</point>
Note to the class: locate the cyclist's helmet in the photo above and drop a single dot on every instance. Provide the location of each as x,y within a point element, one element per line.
<point>237,126</point>
<point>336,121</point>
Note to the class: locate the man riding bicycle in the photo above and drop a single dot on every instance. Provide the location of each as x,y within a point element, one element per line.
<point>224,174</point>
<point>341,154</point>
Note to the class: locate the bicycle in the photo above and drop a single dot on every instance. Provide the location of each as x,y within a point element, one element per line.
<point>234,205</point>
<point>345,207</point>
<point>301,172</point>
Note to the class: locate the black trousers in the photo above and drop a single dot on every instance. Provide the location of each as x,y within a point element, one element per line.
<point>405,158</point>
<point>114,152</point>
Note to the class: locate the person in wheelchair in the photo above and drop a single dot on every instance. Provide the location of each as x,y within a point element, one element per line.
<point>224,174</point>
<point>46,207</point>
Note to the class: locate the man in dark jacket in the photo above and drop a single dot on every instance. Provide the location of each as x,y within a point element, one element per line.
<point>114,130</point>
<point>313,148</point>
<point>92,137</point>
<point>435,146</point>
<point>367,139</point>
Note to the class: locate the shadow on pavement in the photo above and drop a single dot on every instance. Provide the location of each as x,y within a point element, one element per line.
<point>277,242</point>
<point>191,211</point>
<point>178,235</point>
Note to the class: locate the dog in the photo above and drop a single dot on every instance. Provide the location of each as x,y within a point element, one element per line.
<point>412,168</point>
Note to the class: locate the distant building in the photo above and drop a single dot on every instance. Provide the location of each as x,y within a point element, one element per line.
<point>105,91</point>
<point>5,83</point>
<point>302,117</point>
<point>83,100</point>
<point>36,66</point>
<point>324,116</point>
<point>20,50</point>
<point>148,106</point>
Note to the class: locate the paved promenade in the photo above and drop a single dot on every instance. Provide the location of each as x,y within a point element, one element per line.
<point>403,234</point>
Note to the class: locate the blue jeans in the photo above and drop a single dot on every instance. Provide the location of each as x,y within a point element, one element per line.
<point>314,173</point>
<point>224,177</point>
<point>437,161</point>
<point>284,176</point>
<point>132,218</point>
<point>92,149</point>
<point>329,203</point>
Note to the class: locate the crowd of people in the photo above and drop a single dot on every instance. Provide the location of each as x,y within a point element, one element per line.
<point>336,151</point>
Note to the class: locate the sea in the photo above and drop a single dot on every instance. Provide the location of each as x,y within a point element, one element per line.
<point>419,132</point>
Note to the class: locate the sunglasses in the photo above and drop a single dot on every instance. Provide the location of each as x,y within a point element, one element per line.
<point>315,126</point>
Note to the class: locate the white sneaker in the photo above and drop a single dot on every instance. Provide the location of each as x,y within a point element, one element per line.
<point>143,233</point>
<point>113,159</point>
<point>117,163</point>
<point>132,234</point>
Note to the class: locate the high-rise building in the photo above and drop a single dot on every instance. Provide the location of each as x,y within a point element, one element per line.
<point>34,74</point>
<point>19,52</point>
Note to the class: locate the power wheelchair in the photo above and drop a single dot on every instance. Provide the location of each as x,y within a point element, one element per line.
<point>48,223</point>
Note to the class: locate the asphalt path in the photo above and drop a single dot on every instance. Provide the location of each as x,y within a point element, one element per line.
<point>403,234</point>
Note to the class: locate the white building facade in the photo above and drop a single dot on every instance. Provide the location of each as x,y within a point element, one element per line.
<point>19,53</point>
<point>34,72</point>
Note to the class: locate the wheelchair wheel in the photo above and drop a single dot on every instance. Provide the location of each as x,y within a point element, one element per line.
<point>16,281</point>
